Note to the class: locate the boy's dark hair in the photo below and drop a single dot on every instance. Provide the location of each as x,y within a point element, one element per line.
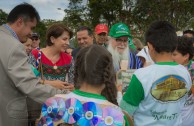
<point>188,32</point>
<point>94,66</point>
<point>185,46</point>
<point>82,28</point>
<point>56,30</point>
<point>162,36</point>
<point>24,10</point>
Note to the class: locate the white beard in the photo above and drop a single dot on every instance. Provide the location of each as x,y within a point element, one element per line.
<point>117,57</point>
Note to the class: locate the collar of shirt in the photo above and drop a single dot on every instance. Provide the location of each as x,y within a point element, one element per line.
<point>12,32</point>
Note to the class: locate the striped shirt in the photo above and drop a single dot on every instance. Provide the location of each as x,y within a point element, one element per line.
<point>12,32</point>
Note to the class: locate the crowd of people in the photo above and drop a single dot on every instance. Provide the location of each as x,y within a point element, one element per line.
<point>160,92</point>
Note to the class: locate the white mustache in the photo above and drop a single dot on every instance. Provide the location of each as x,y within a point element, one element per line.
<point>123,47</point>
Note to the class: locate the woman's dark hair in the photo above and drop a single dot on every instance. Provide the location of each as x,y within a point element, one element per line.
<point>56,30</point>
<point>25,11</point>
<point>185,46</point>
<point>162,36</point>
<point>94,66</point>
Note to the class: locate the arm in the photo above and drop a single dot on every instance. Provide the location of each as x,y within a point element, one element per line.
<point>119,93</point>
<point>133,96</point>
<point>58,84</point>
<point>24,79</point>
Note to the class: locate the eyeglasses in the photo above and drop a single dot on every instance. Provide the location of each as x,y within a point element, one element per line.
<point>121,40</point>
<point>34,39</point>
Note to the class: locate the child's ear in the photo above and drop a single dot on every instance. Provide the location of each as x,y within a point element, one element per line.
<point>186,56</point>
<point>150,47</point>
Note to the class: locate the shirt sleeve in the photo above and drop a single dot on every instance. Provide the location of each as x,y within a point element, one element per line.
<point>24,79</point>
<point>133,96</point>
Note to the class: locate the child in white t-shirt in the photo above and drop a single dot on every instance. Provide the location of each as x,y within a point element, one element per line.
<point>156,93</point>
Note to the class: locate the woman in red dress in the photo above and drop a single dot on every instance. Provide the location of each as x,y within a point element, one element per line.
<point>55,66</point>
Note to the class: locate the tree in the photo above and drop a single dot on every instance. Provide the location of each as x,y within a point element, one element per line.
<point>110,9</point>
<point>3,16</point>
<point>41,29</point>
<point>178,12</point>
<point>76,16</point>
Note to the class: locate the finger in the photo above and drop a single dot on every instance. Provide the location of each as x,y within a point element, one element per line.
<point>72,88</point>
<point>68,86</point>
<point>66,83</point>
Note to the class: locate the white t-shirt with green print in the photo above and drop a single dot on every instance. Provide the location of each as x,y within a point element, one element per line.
<point>156,94</point>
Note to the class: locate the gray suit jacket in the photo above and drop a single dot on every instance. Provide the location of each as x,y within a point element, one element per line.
<point>17,82</point>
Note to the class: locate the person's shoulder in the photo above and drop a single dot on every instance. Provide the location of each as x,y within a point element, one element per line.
<point>7,39</point>
<point>64,54</point>
<point>66,57</point>
<point>76,50</point>
<point>143,53</point>
<point>35,52</point>
<point>145,70</point>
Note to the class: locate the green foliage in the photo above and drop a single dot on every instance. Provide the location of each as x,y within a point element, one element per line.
<point>110,9</point>
<point>3,17</point>
<point>76,16</point>
<point>178,12</point>
<point>137,14</point>
<point>41,29</point>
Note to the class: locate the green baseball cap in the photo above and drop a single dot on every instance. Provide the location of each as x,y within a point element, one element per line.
<point>118,30</point>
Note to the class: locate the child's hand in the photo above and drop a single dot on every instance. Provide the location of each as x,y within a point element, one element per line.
<point>119,87</point>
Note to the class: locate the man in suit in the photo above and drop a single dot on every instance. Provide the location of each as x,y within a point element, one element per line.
<point>17,80</point>
<point>84,38</point>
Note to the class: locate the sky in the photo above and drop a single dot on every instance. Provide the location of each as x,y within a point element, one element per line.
<point>48,9</point>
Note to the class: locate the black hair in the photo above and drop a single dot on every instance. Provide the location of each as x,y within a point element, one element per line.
<point>24,10</point>
<point>56,30</point>
<point>185,46</point>
<point>94,66</point>
<point>162,36</point>
<point>82,28</point>
<point>188,32</point>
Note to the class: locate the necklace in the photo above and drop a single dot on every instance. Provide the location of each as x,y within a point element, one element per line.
<point>55,67</point>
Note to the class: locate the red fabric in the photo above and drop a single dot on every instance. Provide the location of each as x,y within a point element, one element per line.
<point>64,58</point>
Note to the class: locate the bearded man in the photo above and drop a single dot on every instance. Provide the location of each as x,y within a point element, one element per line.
<point>118,47</point>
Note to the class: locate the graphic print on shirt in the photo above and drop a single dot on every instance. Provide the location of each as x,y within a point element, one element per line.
<point>169,88</point>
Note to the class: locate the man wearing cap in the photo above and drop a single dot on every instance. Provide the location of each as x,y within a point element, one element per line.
<point>35,40</point>
<point>101,34</point>
<point>118,47</point>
